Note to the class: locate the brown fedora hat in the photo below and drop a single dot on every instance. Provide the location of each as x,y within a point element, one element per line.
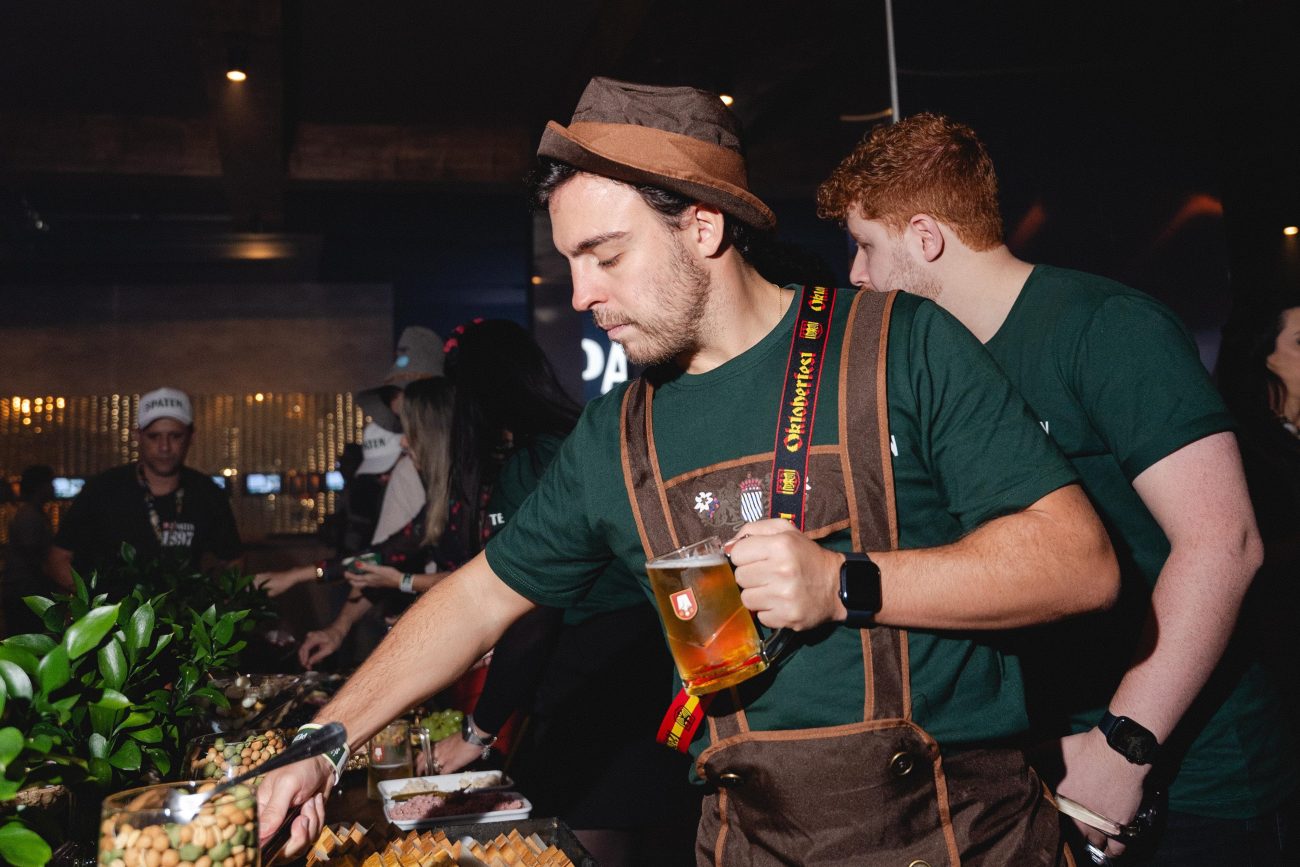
<point>681,139</point>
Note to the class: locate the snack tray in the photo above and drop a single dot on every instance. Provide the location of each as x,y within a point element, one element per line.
<point>462,818</point>
<point>467,781</point>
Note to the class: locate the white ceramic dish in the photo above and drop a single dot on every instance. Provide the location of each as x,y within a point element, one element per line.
<point>466,781</point>
<point>461,818</point>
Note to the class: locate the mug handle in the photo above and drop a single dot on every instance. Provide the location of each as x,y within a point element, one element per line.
<point>774,644</point>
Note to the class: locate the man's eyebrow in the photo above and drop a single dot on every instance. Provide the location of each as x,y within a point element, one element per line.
<point>597,240</point>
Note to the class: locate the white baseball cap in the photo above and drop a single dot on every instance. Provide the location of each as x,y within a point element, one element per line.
<point>164,403</point>
<point>380,450</point>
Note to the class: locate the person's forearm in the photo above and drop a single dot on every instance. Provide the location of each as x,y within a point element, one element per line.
<point>1038,565</point>
<point>1193,613</point>
<point>426,582</point>
<point>444,632</point>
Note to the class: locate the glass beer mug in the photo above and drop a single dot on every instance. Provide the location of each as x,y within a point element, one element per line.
<point>712,636</point>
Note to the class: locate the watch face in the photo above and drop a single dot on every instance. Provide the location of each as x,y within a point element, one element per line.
<point>1134,742</point>
<point>860,586</point>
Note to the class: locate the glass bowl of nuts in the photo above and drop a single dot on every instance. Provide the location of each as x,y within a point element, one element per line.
<point>136,832</point>
<point>222,756</point>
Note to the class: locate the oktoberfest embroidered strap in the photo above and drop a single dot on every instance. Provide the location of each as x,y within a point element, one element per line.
<point>794,426</point>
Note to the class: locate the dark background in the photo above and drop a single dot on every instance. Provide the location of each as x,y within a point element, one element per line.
<point>385,143</point>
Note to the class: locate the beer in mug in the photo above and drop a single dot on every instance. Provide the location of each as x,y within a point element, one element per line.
<point>710,633</point>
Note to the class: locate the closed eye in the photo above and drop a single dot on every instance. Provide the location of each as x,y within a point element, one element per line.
<point>610,262</point>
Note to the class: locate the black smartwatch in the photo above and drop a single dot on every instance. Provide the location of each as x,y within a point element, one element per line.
<point>860,590</point>
<point>1130,739</point>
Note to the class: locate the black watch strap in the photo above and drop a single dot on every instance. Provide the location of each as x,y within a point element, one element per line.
<point>1129,738</point>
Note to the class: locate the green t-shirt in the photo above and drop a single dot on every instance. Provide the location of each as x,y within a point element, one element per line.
<point>965,449</point>
<point>1115,379</point>
<point>617,587</point>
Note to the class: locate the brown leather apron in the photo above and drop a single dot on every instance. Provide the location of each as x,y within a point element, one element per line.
<point>875,792</point>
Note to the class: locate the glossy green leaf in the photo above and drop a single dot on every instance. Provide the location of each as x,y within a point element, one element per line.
<point>54,671</point>
<point>33,642</point>
<point>102,719</point>
<point>79,590</point>
<point>98,746</point>
<point>160,759</point>
<point>22,847</point>
<point>163,640</point>
<point>24,659</point>
<point>127,757</point>
<point>223,631</point>
<point>11,744</point>
<point>17,683</point>
<point>140,628</point>
<point>128,553</point>
<point>189,677</point>
<point>215,696</point>
<point>112,664</point>
<point>137,718</point>
<point>113,700</point>
<point>151,735</point>
<point>4,696</point>
<point>100,770</point>
<point>40,743</point>
<point>88,631</point>
<point>38,604</point>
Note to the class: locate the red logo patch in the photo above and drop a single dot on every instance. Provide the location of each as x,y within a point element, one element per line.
<point>684,604</point>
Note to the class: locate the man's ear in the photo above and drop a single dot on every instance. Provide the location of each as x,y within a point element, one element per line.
<point>927,234</point>
<point>706,229</point>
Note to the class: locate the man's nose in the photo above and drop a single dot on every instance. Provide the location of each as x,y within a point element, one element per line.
<point>586,292</point>
<point>858,273</point>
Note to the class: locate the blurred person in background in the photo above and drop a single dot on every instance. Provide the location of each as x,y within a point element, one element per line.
<point>1259,375</point>
<point>414,547</point>
<point>166,511</point>
<point>30,537</point>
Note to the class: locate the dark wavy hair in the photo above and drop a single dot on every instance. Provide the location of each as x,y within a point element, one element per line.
<point>775,260</point>
<point>504,385</point>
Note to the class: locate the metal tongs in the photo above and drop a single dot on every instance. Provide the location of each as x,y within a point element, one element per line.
<point>182,807</point>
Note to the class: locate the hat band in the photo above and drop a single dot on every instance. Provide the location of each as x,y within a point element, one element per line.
<point>663,153</point>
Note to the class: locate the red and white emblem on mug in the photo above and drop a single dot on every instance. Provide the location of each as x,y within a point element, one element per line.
<point>684,604</point>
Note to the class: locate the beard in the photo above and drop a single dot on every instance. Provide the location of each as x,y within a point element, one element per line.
<point>905,275</point>
<point>673,311</point>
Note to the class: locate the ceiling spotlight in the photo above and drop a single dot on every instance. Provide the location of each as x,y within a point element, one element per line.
<point>1291,231</point>
<point>237,64</point>
<point>727,99</point>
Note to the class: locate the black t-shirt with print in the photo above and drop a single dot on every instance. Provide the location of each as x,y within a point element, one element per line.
<point>113,508</point>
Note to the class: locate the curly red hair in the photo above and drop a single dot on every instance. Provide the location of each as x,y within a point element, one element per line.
<point>925,164</point>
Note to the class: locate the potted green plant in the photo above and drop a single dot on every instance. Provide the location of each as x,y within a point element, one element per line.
<point>94,704</point>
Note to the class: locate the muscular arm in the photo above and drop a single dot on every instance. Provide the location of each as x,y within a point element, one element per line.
<point>1040,564</point>
<point>1047,562</point>
<point>1198,496</point>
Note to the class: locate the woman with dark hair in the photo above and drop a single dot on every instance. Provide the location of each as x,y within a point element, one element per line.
<point>1259,374</point>
<point>30,538</point>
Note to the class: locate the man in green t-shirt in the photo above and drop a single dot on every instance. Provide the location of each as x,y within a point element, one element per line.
<point>1115,380</point>
<point>880,738</point>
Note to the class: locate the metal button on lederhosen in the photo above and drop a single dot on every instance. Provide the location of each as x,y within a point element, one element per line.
<point>875,792</point>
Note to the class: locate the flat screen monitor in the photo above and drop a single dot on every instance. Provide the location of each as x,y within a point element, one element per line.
<point>333,481</point>
<point>261,484</point>
<point>65,487</point>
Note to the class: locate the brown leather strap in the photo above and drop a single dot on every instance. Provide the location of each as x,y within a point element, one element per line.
<point>868,469</point>
<point>641,474</point>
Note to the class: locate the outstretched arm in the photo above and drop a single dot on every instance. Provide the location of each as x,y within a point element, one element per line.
<point>440,636</point>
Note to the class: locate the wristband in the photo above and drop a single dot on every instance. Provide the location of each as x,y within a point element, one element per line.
<point>408,583</point>
<point>337,757</point>
<point>469,734</point>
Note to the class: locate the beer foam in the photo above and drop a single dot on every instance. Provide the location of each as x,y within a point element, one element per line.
<point>689,562</point>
